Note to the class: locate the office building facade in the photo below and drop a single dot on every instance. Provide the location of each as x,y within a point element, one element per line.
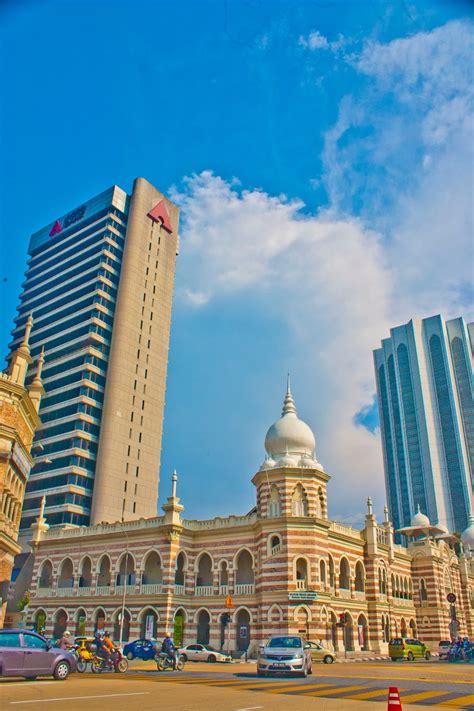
<point>99,284</point>
<point>424,378</point>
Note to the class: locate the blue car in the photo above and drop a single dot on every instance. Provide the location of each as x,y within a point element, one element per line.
<point>141,649</point>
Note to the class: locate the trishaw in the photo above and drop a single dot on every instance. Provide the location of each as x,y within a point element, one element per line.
<point>86,652</point>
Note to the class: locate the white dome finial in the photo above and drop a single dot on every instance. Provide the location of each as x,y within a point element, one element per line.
<point>289,406</point>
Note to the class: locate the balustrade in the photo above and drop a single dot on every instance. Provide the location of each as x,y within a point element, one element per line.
<point>301,584</point>
<point>245,589</point>
<point>223,590</point>
<point>179,589</point>
<point>204,590</point>
<point>103,590</point>
<point>119,589</point>
<point>85,590</point>
<point>44,592</point>
<point>151,588</point>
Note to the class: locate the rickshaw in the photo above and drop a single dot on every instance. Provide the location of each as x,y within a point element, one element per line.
<point>86,652</point>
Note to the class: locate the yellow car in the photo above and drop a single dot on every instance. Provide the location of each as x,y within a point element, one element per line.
<point>321,654</point>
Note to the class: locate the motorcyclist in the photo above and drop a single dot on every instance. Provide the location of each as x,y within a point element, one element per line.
<point>108,646</point>
<point>466,649</point>
<point>65,643</point>
<point>169,649</point>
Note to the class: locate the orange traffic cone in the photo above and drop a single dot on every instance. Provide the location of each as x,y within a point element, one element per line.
<point>394,702</point>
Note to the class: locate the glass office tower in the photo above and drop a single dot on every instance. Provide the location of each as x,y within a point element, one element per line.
<point>99,284</point>
<point>424,378</point>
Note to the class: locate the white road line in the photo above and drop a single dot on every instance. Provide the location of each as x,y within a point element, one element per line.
<point>250,708</point>
<point>74,698</point>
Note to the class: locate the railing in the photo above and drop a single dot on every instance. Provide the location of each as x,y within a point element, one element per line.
<point>276,549</point>
<point>85,590</point>
<point>204,590</point>
<point>223,589</point>
<point>301,584</point>
<point>44,592</point>
<point>119,589</point>
<point>103,590</point>
<point>245,589</point>
<point>179,589</point>
<point>64,592</point>
<point>151,588</point>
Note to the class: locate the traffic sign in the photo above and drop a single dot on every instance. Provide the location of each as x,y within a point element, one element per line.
<point>451,597</point>
<point>229,602</point>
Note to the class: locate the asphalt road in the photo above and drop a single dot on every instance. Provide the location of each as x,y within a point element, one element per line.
<point>431,685</point>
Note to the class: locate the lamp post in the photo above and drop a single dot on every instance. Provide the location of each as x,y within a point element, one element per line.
<point>122,614</point>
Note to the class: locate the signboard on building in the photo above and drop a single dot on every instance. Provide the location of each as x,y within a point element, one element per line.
<point>149,626</point>
<point>303,595</point>
<point>21,460</point>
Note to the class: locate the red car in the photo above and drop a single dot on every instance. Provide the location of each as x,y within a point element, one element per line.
<point>26,653</point>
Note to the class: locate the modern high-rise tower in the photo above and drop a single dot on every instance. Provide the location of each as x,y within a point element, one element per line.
<point>99,285</point>
<point>424,377</point>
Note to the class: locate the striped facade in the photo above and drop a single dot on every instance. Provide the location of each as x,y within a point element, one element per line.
<point>288,570</point>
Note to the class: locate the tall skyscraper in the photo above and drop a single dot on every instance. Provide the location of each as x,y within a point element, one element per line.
<point>99,284</point>
<point>424,377</point>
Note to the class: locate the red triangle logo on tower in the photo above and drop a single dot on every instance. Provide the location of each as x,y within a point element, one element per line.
<point>56,229</point>
<point>160,214</point>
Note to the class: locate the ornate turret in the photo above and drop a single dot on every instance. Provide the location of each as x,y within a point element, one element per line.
<point>40,526</point>
<point>173,508</point>
<point>21,358</point>
<point>36,388</point>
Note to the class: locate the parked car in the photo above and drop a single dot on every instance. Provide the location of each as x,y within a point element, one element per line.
<point>202,653</point>
<point>142,649</point>
<point>321,654</point>
<point>285,654</point>
<point>401,648</point>
<point>443,648</point>
<point>25,653</point>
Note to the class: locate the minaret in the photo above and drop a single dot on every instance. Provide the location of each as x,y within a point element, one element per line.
<point>39,527</point>
<point>371,529</point>
<point>36,388</point>
<point>21,358</point>
<point>173,508</point>
<point>289,406</point>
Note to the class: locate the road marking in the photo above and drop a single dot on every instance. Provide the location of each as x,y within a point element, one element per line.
<point>74,698</point>
<point>250,708</point>
<point>460,701</point>
<point>284,688</point>
<point>371,694</point>
<point>423,695</point>
<point>334,690</point>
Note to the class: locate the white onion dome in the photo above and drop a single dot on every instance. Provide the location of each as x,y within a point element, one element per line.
<point>289,434</point>
<point>467,536</point>
<point>419,520</point>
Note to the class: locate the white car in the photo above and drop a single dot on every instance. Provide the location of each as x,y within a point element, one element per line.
<point>202,653</point>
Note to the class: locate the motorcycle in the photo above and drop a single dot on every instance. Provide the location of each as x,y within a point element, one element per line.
<point>164,662</point>
<point>116,662</point>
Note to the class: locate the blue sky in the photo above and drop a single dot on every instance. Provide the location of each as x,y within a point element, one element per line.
<point>322,157</point>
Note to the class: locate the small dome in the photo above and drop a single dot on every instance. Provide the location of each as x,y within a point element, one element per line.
<point>289,434</point>
<point>287,461</point>
<point>467,536</point>
<point>419,520</point>
<point>268,463</point>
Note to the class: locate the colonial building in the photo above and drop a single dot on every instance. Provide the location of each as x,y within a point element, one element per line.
<point>19,419</point>
<point>286,566</point>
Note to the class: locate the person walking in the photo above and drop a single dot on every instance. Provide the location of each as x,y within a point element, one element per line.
<point>65,643</point>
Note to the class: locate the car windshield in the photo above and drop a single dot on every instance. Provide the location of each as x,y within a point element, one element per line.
<point>291,642</point>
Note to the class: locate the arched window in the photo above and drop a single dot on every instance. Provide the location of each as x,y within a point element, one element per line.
<point>274,502</point>
<point>46,575</point>
<point>104,576</point>
<point>423,592</point>
<point>148,623</point>
<point>322,573</point>
<point>152,572</point>
<point>332,576</point>
<point>359,582</point>
<point>344,575</point>
<point>179,572</point>
<point>299,502</point>
<point>85,573</point>
<point>203,627</point>
<point>244,576</point>
<point>301,572</point>
<point>80,630</point>
<point>66,574</point>
<point>204,578</point>
<point>275,544</point>
<point>126,573</point>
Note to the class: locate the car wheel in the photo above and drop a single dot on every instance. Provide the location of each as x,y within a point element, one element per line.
<point>211,659</point>
<point>184,658</point>
<point>410,656</point>
<point>328,659</point>
<point>61,671</point>
<point>130,655</point>
<point>427,656</point>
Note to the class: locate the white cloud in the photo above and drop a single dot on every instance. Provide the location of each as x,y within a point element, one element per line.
<point>321,276</point>
<point>315,40</point>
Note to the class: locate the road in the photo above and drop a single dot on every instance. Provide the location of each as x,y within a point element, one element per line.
<point>431,685</point>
